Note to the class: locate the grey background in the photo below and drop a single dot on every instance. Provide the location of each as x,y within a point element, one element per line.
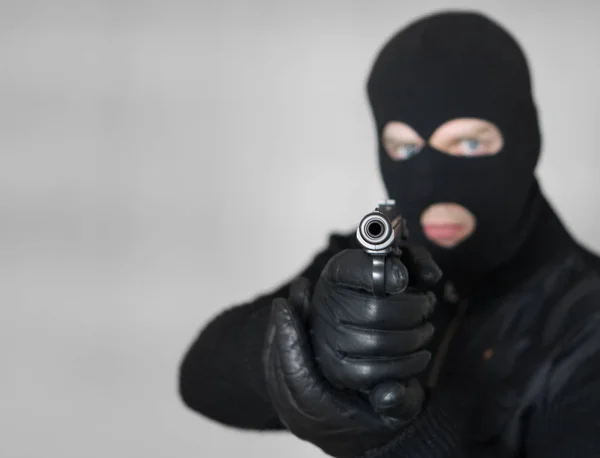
<point>160,161</point>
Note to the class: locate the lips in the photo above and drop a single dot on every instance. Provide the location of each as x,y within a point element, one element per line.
<point>442,231</point>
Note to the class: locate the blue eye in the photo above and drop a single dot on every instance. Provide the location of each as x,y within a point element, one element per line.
<point>407,150</point>
<point>470,145</point>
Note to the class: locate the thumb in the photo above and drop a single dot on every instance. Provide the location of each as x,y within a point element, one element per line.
<point>400,400</point>
<point>293,380</point>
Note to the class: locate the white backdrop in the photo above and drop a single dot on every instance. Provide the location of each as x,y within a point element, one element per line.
<point>152,151</point>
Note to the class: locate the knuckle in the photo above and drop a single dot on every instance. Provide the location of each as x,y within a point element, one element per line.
<point>398,275</point>
<point>428,332</point>
<point>425,357</point>
<point>365,378</point>
<point>417,363</point>
<point>422,339</point>
<point>350,376</point>
<point>345,265</point>
<point>329,272</point>
<point>432,298</point>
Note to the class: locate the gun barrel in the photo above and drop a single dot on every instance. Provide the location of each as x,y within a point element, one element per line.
<point>375,233</point>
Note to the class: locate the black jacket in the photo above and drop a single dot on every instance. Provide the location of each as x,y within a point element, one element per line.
<point>525,341</point>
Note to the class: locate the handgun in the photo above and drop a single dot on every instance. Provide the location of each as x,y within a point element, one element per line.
<point>380,233</point>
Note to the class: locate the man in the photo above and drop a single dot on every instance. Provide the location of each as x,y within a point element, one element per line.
<point>501,356</point>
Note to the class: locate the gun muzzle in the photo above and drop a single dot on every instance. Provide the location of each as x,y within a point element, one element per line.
<point>375,233</point>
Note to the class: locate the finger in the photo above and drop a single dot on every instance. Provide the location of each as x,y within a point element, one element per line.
<point>364,373</point>
<point>394,312</point>
<point>398,400</point>
<point>362,342</point>
<point>353,269</point>
<point>386,396</point>
<point>299,296</point>
<point>423,271</point>
<point>296,372</point>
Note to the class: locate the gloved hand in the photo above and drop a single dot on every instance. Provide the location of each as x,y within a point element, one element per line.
<point>361,340</point>
<point>351,388</point>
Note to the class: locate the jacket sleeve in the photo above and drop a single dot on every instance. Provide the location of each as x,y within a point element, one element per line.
<point>221,375</point>
<point>566,422</point>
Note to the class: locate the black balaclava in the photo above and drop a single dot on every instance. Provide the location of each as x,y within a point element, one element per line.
<point>461,65</point>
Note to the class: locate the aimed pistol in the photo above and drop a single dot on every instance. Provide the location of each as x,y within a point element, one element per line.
<point>380,233</point>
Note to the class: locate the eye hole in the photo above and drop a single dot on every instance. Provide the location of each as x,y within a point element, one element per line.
<point>401,141</point>
<point>467,137</point>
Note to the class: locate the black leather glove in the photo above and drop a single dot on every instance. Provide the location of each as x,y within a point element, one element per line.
<point>363,343</point>
<point>361,340</point>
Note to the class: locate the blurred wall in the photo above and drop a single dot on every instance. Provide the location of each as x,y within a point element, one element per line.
<point>147,148</point>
